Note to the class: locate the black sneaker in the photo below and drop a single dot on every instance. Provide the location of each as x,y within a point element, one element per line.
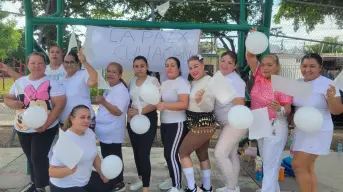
<point>195,189</point>
<point>205,190</point>
<point>32,188</point>
<point>120,187</point>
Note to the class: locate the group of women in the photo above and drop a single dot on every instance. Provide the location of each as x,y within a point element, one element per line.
<point>189,113</point>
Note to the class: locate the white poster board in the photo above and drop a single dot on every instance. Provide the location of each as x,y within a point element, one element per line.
<point>105,45</point>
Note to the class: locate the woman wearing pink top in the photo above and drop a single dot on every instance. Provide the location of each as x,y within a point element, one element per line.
<point>279,106</point>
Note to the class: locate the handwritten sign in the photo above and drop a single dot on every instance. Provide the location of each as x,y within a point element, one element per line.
<point>105,45</point>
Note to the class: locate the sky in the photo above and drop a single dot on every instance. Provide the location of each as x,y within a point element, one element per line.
<point>329,28</point>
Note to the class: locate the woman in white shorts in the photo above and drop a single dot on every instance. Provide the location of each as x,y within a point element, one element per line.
<point>308,146</point>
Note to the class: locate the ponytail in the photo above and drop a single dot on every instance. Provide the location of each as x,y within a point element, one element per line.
<point>122,80</point>
<point>67,124</point>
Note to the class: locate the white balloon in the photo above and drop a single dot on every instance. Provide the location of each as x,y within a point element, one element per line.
<point>34,117</point>
<point>140,124</point>
<point>240,117</point>
<point>308,119</point>
<point>111,166</point>
<point>256,42</point>
<point>150,93</point>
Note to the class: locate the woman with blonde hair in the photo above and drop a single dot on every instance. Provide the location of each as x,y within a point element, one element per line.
<point>111,118</point>
<point>279,107</point>
<point>201,124</point>
<point>81,178</point>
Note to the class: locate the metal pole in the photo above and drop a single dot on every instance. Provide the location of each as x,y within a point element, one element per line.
<point>143,24</point>
<point>241,45</point>
<point>28,29</point>
<point>267,19</point>
<point>60,35</point>
<point>153,7</point>
<point>59,9</point>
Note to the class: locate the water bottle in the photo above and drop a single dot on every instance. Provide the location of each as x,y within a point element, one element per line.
<point>339,147</point>
<point>291,151</point>
<point>258,175</point>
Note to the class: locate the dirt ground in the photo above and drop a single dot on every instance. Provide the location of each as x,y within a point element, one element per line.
<point>6,132</point>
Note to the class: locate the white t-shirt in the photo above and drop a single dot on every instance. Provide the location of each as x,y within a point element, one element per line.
<point>110,128</point>
<point>208,99</point>
<point>80,178</point>
<point>77,92</point>
<point>135,91</point>
<point>170,90</point>
<point>221,111</point>
<point>38,92</point>
<point>318,100</point>
<point>55,74</point>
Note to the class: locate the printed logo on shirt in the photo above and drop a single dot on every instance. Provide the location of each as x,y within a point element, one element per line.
<point>34,97</point>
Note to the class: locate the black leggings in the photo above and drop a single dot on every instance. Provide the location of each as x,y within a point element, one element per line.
<point>36,147</point>
<point>141,145</point>
<point>172,135</point>
<point>95,184</point>
<point>113,149</point>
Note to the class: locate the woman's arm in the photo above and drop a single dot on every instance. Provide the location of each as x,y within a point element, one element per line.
<point>58,103</point>
<point>252,61</point>
<point>180,105</point>
<point>60,172</point>
<point>148,109</point>
<point>335,105</point>
<point>114,110</point>
<point>93,75</point>
<point>97,166</point>
<point>238,101</point>
<point>11,72</point>
<point>333,98</point>
<point>205,100</point>
<point>12,102</point>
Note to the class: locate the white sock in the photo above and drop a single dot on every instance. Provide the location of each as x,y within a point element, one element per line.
<point>206,174</point>
<point>189,173</point>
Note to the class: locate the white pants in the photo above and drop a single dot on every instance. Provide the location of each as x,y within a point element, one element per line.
<point>226,154</point>
<point>271,149</point>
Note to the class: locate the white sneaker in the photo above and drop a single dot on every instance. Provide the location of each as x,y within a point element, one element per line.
<point>167,184</point>
<point>225,189</point>
<point>136,186</point>
<point>174,189</point>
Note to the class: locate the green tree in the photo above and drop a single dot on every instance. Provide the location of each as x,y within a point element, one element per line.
<point>326,47</point>
<point>309,13</point>
<point>19,53</point>
<point>9,36</point>
<point>76,8</point>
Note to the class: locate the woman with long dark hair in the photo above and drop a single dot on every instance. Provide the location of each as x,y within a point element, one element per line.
<point>175,99</point>
<point>142,143</point>
<point>309,146</point>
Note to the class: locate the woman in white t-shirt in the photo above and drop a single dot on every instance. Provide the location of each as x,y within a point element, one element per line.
<point>81,178</point>
<point>175,99</point>
<point>227,145</point>
<point>308,146</point>
<point>55,70</point>
<point>111,118</point>
<point>77,83</point>
<point>142,143</point>
<point>36,89</point>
